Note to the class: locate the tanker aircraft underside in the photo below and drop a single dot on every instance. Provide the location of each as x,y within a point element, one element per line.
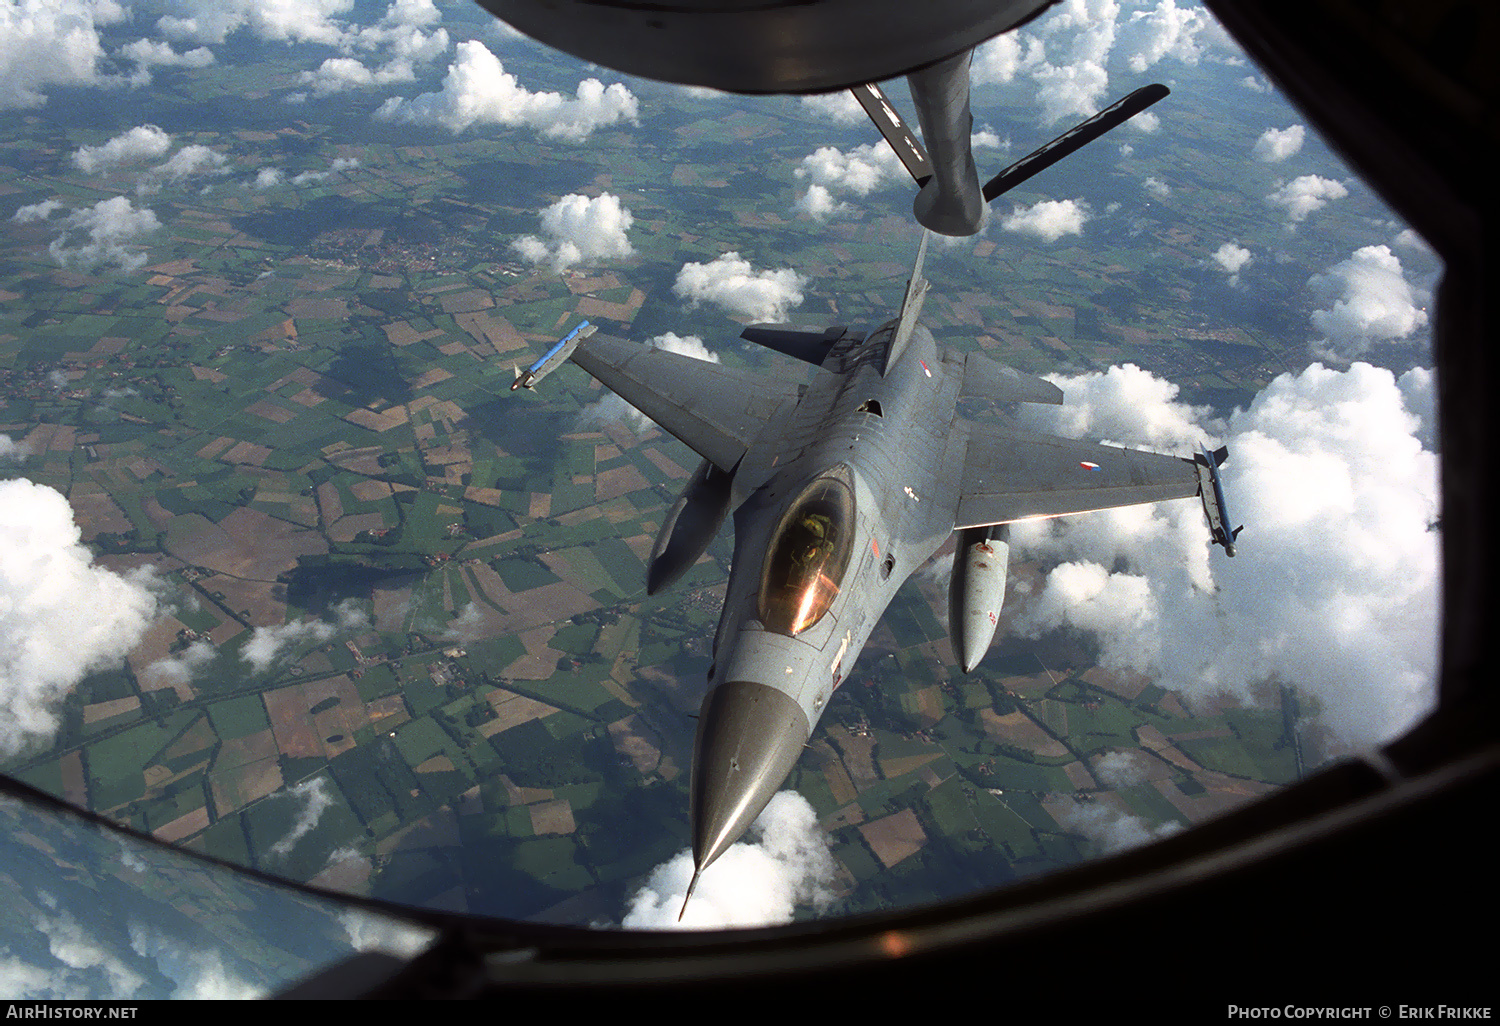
<point>840,489</point>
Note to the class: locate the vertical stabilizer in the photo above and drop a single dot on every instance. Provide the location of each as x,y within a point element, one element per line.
<point>911,307</point>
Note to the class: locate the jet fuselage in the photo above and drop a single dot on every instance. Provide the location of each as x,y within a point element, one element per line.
<point>862,477</point>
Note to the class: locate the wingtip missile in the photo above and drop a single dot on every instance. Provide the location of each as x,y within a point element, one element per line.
<point>553,358</point>
<point>1211,491</point>
<point>697,872</point>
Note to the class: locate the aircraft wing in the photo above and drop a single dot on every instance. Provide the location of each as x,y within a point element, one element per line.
<point>716,410</point>
<point>1010,474</point>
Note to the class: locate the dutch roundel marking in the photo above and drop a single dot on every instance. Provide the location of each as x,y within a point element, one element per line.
<point>1086,465</point>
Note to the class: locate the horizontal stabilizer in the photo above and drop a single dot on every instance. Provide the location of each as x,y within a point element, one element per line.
<point>896,132</point>
<point>1073,139</point>
<point>986,379</point>
<point>808,344</point>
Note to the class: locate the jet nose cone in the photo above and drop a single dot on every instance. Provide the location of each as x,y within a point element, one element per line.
<point>749,738</point>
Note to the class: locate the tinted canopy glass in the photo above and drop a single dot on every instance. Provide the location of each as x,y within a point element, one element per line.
<point>808,555</point>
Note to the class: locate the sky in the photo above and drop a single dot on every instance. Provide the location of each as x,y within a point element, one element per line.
<point>1332,466</point>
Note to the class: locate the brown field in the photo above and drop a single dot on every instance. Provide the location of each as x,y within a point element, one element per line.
<point>1155,741</point>
<point>245,750</point>
<point>592,307</point>
<point>1079,776</point>
<point>665,465</point>
<point>75,787</point>
<point>237,787</point>
<point>930,703</point>
<point>295,735</point>
<point>369,491</point>
<point>182,826</point>
<point>554,817</point>
<point>839,783</point>
<point>1222,794</point>
<point>246,453</point>
<point>260,602</point>
<point>471,301</point>
<point>97,514</point>
<point>611,484</point>
<point>492,330</point>
<point>154,645</point>
<point>348,527</point>
<point>636,740</point>
<point>324,308</point>
<point>391,608</point>
<point>377,422</point>
<point>1018,729</point>
<point>894,837</point>
<point>215,447</point>
<point>857,755</point>
<point>271,411</point>
<point>899,767</point>
<point>1123,683</point>
<point>512,710</point>
<point>345,718</point>
<point>100,711</point>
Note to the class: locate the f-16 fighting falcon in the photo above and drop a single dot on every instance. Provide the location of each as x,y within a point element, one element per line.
<point>840,489</point>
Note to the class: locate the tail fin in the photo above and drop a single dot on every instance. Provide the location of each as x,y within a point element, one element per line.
<point>911,305</point>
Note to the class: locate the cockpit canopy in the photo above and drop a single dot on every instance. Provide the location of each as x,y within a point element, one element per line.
<point>808,555</point>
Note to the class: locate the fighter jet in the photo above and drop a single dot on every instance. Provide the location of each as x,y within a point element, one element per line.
<point>840,489</point>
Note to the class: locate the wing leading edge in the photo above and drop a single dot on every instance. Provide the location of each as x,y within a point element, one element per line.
<point>1011,475</point>
<point>715,410</point>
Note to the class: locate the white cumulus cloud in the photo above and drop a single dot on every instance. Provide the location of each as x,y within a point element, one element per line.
<point>1371,302</point>
<point>144,142</point>
<point>61,616</point>
<point>155,53</point>
<point>316,799</point>
<point>1048,220</point>
<point>1277,144</point>
<point>1334,590</point>
<point>759,882</point>
<point>106,236</point>
<point>47,43</point>
<point>840,107</point>
<point>1301,196</point>
<point>732,284</point>
<point>185,665</point>
<point>267,643</point>
<point>831,173</point>
<point>294,21</point>
<point>577,229</point>
<point>36,211</point>
<point>1111,829</point>
<point>478,90</point>
<point>1232,258</point>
